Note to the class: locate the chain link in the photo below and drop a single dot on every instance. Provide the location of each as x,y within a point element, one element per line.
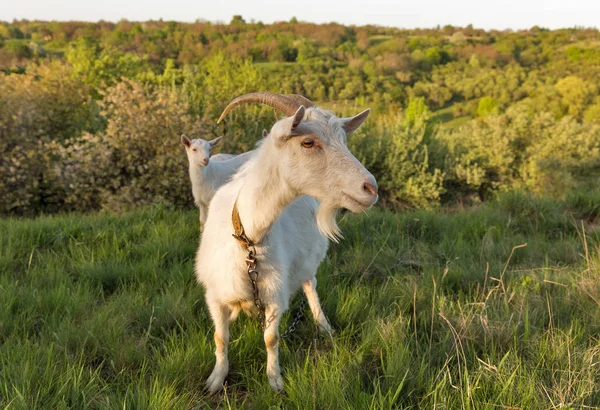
<point>297,319</point>
<point>260,306</point>
<point>253,275</point>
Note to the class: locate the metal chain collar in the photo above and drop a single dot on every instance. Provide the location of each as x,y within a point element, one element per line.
<point>297,319</point>
<point>253,274</point>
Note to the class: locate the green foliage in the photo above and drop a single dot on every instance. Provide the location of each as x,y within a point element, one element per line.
<point>487,106</point>
<point>237,19</point>
<point>397,152</point>
<point>18,49</point>
<point>518,149</point>
<point>576,94</point>
<point>132,162</point>
<point>408,177</point>
<point>566,158</point>
<point>4,31</point>
<point>519,85</point>
<point>392,63</point>
<point>101,68</point>
<point>40,110</point>
<point>225,78</point>
<point>416,112</point>
<point>592,113</point>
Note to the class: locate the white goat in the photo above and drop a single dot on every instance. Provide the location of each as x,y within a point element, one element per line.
<point>222,157</point>
<point>305,154</point>
<point>206,175</point>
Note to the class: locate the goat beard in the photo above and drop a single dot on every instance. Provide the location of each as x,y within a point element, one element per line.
<point>326,222</point>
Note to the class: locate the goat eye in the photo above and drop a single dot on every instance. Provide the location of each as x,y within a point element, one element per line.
<point>308,143</point>
<point>195,150</point>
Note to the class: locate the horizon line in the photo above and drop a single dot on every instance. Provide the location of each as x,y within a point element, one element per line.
<point>254,21</point>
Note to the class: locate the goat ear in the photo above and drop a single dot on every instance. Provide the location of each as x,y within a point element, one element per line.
<point>284,129</point>
<point>265,133</point>
<point>351,124</point>
<point>298,116</point>
<point>185,141</point>
<point>216,141</point>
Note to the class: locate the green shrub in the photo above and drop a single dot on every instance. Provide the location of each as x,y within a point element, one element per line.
<point>396,151</point>
<point>523,150</point>
<point>566,159</point>
<point>102,130</point>
<point>40,109</point>
<point>138,160</point>
<point>487,106</point>
<point>28,185</point>
<point>592,113</point>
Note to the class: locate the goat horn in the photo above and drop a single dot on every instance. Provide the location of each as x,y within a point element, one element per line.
<point>302,100</point>
<point>286,105</point>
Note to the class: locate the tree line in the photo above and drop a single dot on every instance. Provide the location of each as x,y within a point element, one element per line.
<point>91,112</point>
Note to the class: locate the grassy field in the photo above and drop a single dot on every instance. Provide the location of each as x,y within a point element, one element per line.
<point>494,307</point>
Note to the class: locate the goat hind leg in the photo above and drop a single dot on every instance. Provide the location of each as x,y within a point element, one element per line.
<point>310,290</point>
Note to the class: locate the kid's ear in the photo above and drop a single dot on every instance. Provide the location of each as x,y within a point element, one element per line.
<point>351,124</point>
<point>216,141</point>
<point>185,141</point>
<point>265,133</point>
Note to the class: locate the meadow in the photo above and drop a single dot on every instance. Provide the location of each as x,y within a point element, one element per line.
<point>474,284</point>
<point>495,306</point>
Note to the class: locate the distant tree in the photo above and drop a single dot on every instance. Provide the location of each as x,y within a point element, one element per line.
<point>416,111</point>
<point>362,39</point>
<point>458,38</point>
<point>592,113</point>
<point>4,31</point>
<point>18,49</point>
<point>576,94</point>
<point>474,61</point>
<point>237,20</point>
<point>487,106</point>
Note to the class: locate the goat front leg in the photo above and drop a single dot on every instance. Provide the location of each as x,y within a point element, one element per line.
<point>203,214</point>
<point>272,318</point>
<point>310,290</point>
<point>220,315</point>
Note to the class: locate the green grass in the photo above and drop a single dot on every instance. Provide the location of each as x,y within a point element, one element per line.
<point>431,309</point>
<point>446,117</point>
<point>458,121</point>
<point>443,115</point>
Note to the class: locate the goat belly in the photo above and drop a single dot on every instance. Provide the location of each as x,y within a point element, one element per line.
<point>247,306</point>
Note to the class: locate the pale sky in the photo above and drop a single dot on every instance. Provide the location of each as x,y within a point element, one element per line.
<point>498,14</point>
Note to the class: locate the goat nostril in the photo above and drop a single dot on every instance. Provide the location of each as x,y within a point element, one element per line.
<point>372,189</point>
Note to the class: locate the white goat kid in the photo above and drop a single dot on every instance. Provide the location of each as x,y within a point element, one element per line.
<point>208,173</point>
<point>222,157</point>
<point>305,154</point>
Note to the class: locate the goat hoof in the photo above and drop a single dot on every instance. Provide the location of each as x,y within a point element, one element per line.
<point>213,387</point>
<point>214,383</point>
<point>326,329</point>
<point>276,383</point>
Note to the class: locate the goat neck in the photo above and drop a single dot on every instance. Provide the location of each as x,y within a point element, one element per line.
<point>264,194</point>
